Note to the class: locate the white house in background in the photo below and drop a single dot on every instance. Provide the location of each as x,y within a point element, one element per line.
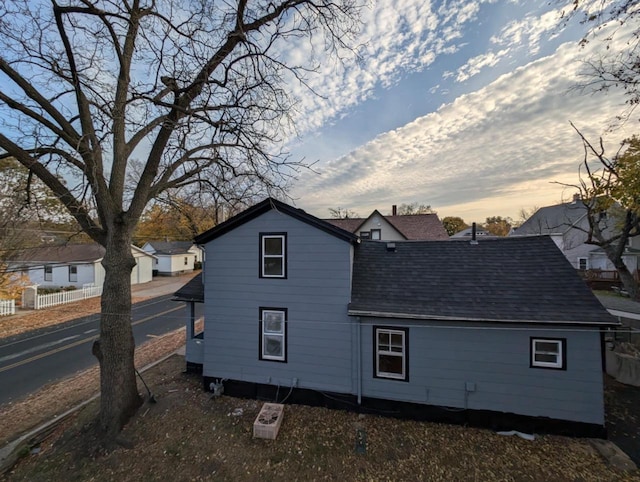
<point>173,258</point>
<point>378,227</point>
<point>567,225</point>
<point>74,265</point>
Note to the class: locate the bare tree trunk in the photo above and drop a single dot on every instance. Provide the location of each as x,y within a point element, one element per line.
<point>626,277</point>
<point>115,348</point>
<point>628,281</point>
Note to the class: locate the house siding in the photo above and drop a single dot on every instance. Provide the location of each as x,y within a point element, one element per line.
<point>60,275</point>
<point>496,362</point>
<point>315,293</point>
<point>387,231</point>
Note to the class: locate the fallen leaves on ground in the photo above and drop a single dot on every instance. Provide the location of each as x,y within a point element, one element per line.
<point>188,435</point>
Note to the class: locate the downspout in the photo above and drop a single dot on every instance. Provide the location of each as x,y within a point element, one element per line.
<point>359,363</point>
<point>190,305</point>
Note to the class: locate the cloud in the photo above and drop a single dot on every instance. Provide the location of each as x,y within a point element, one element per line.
<point>397,38</point>
<point>529,30</point>
<point>491,151</point>
<point>474,65</point>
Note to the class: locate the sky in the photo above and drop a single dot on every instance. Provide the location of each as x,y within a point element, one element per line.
<point>461,105</point>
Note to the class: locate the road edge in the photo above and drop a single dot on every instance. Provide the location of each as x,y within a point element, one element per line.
<point>13,451</point>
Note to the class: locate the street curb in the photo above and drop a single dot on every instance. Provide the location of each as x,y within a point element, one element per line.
<point>13,451</point>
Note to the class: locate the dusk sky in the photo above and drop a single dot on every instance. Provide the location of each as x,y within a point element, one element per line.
<point>462,105</point>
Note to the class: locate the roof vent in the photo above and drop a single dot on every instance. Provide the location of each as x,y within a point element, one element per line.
<point>391,247</point>
<point>473,234</point>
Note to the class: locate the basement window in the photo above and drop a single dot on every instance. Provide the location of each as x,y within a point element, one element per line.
<point>549,353</point>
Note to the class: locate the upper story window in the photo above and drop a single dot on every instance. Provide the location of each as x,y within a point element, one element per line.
<point>376,234</point>
<point>48,273</point>
<point>365,234</point>
<point>549,353</point>
<point>273,255</point>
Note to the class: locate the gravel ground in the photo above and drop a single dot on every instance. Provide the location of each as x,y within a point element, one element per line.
<point>187,435</point>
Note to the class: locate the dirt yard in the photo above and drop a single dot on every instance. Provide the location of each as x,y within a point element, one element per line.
<point>187,435</point>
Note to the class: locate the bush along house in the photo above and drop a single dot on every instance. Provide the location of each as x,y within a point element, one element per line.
<point>498,333</point>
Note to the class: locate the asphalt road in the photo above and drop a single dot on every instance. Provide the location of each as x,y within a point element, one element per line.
<point>31,361</point>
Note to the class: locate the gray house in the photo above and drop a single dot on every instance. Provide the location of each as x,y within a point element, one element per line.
<point>567,224</point>
<point>499,333</point>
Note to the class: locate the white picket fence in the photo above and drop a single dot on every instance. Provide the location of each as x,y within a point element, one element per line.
<point>53,299</point>
<point>7,307</point>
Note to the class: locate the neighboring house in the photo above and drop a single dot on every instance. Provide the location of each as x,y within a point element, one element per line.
<point>174,258</point>
<point>567,225</point>
<point>467,234</point>
<point>74,265</point>
<point>501,333</point>
<point>426,227</point>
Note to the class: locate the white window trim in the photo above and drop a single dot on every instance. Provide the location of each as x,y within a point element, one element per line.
<point>48,276</point>
<point>73,277</point>
<point>586,262</point>
<point>282,256</point>
<point>264,333</point>
<point>559,363</point>
<point>403,355</point>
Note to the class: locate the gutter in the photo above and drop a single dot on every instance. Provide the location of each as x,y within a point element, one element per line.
<point>413,316</point>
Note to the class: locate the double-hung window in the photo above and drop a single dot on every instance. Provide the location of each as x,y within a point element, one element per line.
<point>273,334</point>
<point>73,273</point>
<point>48,273</point>
<point>273,255</point>
<point>391,353</point>
<point>549,353</point>
<point>376,234</point>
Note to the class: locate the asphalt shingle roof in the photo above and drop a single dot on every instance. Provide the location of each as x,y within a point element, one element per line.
<point>506,280</point>
<point>425,227</point>
<point>268,205</point>
<point>68,253</point>
<point>171,247</point>
<point>192,291</point>
<point>419,226</point>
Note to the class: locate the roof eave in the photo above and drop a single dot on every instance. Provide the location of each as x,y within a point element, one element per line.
<point>265,206</point>
<point>413,316</point>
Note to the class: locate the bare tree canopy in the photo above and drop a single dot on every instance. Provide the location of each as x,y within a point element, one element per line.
<point>617,25</point>
<point>610,191</point>
<point>414,208</point>
<point>343,213</point>
<point>127,99</point>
